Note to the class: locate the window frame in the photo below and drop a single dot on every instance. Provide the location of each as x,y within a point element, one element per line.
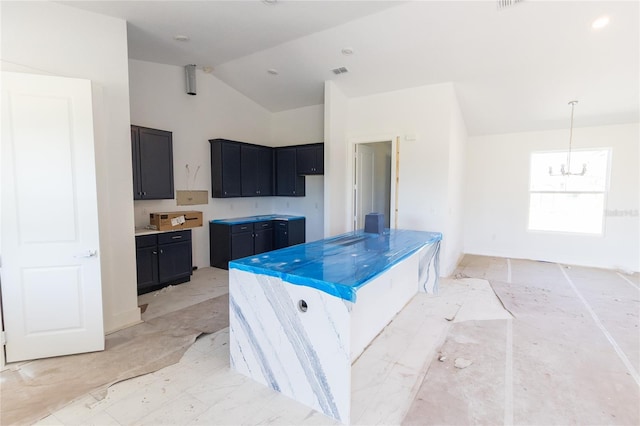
<point>604,192</point>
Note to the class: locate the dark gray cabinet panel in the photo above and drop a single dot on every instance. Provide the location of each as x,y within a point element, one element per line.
<point>152,154</point>
<point>262,237</point>
<point>225,168</point>
<point>256,165</point>
<point>230,242</point>
<point>288,233</point>
<point>310,159</point>
<point>163,259</point>
<point>288,182</point>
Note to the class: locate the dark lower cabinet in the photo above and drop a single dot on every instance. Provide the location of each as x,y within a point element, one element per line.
<point>288,233</point>
<point>229,242</point>
<point>163,259</point>
<point>262,237</point>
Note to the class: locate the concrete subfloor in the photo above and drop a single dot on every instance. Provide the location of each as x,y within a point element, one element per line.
<point>566,350</point>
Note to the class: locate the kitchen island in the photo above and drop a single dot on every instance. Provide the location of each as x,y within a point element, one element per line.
<point>300,316</point>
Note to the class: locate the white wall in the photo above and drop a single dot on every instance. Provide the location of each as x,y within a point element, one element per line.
<point>429,165</point>
<point>337,180</point>
<point>302,126</point>
<point>497,199</point>
<point>159,100</point>
<point>457,167</point>
<point>49,38</point>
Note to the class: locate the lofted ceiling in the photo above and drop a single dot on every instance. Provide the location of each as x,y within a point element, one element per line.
<point>514,69</point>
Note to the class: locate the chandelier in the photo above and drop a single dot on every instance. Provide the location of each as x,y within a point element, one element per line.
<point>567,171</point>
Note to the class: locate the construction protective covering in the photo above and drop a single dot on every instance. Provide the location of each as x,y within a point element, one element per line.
<point>343,264</point>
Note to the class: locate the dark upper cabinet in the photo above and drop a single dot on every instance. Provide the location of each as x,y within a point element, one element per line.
<point>152,154</point>
<point>225,168</point>
<point>256,170</point>
<point>288,182</point>
<point>310,159</point>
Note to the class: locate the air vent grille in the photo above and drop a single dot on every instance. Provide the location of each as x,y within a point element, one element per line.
<point>503,4</point>
<point>341,70</point>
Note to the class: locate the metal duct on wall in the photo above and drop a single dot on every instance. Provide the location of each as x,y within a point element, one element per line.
<point>190,72</point>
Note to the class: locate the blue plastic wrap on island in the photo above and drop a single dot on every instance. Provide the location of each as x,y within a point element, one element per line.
<point>248,219</point>
<point>339,265</point>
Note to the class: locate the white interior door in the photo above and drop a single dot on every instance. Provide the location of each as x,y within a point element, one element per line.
<point>365,186</point>
<point>50,273</point>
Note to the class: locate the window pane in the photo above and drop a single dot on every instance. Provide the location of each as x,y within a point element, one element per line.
<point>569,212</point>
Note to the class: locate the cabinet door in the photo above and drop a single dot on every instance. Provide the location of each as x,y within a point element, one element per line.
<point>225,168</point>
<point>241,244</point>
<point>147,267</point>
<point>174,261</point>
<point>248,170</point>
<point>310,159</point>
<point>280,234</point>
<point>264,171</point>
<point>306,159</point>
<point>263,241</point>
<point>155,171</point>
<point>256,170</point>
<point>135,160</point>
<point>288,182</point>
<point>319,159</point>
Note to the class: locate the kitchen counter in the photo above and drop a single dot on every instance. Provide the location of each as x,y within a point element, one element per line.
<point>300,316</point>
<point>341,265</point>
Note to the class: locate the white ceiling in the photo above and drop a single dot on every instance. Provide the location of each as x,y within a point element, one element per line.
<point>514,69</point>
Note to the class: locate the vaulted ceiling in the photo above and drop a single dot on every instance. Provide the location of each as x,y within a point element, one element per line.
<point>514,68</point>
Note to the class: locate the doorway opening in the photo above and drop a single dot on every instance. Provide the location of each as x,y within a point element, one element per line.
<point>373,184</point>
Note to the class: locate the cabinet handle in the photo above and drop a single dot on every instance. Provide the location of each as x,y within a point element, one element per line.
<point>177,237</point>
<point>264,225</point>
<point>144,193</point>
<point>161,251</point>
<point>154,252</point>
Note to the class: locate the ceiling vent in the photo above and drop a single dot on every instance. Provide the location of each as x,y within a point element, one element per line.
<point>503,4</point>
<point>341,70</point>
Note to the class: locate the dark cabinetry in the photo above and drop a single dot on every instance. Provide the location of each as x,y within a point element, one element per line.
<point>288,182</point>
<point>256,170</point>
<point>288,233</point>
<point>225,168</point>
<point>241,169</point>
<point>310,159</point>
<point>228,242</point>
<point>152,154</point>
<point>163,259</point>
<point>233,241</point>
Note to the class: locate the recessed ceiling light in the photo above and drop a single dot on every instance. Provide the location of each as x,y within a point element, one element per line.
<point>272,71</point>
<point>270,2</point>
<point>601,22</point>
<point>207,69</point>
<point>347,51</point>
<point>181,37</point>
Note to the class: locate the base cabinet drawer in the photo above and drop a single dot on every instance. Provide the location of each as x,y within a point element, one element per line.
<point>163,259</point>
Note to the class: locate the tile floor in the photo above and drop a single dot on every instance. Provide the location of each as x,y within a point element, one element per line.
<point>201,389</point>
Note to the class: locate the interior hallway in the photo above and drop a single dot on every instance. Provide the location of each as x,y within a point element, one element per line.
<point>566,350</point>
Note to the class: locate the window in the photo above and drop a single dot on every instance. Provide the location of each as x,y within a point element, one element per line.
<point>573,203</point>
